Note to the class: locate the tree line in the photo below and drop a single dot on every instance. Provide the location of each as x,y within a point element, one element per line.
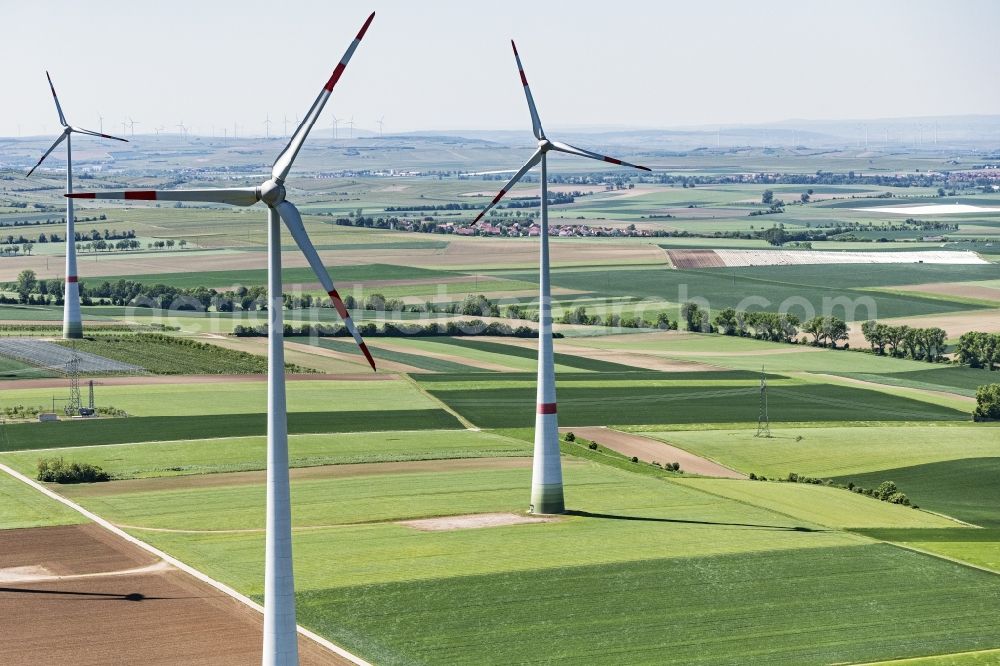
<point>979,350</point>
<point>905,341</point>
<point>396,330</point>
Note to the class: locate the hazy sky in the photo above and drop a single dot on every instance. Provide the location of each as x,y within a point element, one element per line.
<point>448,64</point>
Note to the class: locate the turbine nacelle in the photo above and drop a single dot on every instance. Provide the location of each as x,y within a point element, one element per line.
<point>271,192</point>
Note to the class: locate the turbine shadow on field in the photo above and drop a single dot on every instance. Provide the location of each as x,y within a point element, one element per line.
<point>105,596</point>
<point>612,516</point>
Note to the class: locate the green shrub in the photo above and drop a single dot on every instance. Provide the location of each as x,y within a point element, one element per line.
<point>570,437</point>
<point>57,470</point>
<point>593,446</point>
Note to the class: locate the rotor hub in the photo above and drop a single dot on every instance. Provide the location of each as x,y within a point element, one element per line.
<point>544,145</point>
<point>271,192</point>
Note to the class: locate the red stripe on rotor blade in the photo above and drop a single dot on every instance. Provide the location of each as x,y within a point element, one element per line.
<point>368,355</point>
<point>479,217</point>
<point>81,195</point>
<point>72,278</point>
<point>524,79</point>
<point>612,160</point>
<point>337,72</point>
<point>364,28</point>
<point>546,408</point>
<point>142,195</point>
<point>499,196</point>
<point>338,304</point>
<point>513,46</point>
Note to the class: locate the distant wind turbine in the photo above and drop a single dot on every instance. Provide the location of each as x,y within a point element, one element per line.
<point>546,475</point>
<point>72,324</point>
<point>380,121</point>
<point>267,127</point>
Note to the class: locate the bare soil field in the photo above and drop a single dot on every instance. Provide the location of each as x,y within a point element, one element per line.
<point>295,474</point>
<point>474,521</point>
<point>954,289</point>
<point>163,616</point>
<point>695,259</point>
<point>650,450</point>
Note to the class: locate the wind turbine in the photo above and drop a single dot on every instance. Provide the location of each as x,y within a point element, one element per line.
<point>380,121</point>
<point>350,123</point>
<point>546,473</point>
<point>333,124</point>
<point>132,124</point>
<point>181,127</point>
<point>280,640</point>
<point>267,126</point>
<point>72,324</point>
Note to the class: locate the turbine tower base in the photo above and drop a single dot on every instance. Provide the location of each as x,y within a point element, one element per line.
<point>547,500</point>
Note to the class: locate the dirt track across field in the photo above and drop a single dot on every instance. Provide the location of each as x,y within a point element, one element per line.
<point>650,450</point>
<point>153,615</point>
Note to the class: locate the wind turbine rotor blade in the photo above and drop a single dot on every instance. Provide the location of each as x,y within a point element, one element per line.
<point>61,138</point>
<point>238,196</point>
<point>62,118</point>
<point>293,220</point>
<point>283,164</point>
<point>510,183</point>
<point>536,123</point>
<point>80,130</point>
<point>573,150</point>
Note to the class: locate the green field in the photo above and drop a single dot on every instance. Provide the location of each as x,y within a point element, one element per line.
<point>227,279</point>
<point>838,450</point>
<point>965,488</point>
<point>164,355</point>
<point>773,285</point>
<point>639,404</point>
<point>22,506</point>
<point>796,607</point>
<point>246,397</point>
<point>23,436</point>
<point>237,454</point>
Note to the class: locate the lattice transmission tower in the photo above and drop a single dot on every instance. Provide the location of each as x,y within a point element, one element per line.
<point>73,370</point>
<point>763,424</point>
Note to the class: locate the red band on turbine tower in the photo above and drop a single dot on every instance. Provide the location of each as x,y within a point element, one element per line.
<point>546,408</point>
<point>72,278</point>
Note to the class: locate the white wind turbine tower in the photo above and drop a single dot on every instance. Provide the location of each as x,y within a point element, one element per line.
<point>267,126</point>
<point>350,123</point>
<point>280,640</point>
<point>333,124</point>
<point>72,323</point>
<point>131,125</point>
<point>381,122</point>
<point>546,474</point>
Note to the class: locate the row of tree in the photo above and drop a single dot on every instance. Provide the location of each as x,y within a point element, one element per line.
<point>979,350</point>
<point>772,326</point>
<point>397,330</point>
<point>905,341</point>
